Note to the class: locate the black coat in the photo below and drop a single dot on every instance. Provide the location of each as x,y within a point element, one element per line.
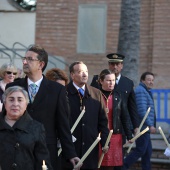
<point>120,116</point>
<point>50,108</point>
<point>92,123</point>
<point>23,146</point>
<point>1,93</point>
<point>126,87</point>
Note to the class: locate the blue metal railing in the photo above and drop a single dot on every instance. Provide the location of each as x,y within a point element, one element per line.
<point>162,104</point>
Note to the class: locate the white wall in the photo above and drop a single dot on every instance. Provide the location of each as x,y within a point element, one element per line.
<point>16,26</point>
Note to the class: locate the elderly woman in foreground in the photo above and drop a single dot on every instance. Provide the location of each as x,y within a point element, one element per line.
<point>22,139</point>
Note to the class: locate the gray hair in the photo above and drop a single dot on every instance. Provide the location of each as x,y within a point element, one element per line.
<point>13,89</point>
<point>71,68</point>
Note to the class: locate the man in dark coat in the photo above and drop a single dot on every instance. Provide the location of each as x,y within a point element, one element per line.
<point>47,104</point>
<point>94,121</point>
<point>125,86</point>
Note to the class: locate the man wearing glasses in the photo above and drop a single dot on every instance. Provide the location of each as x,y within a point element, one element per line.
<point>47,104</point>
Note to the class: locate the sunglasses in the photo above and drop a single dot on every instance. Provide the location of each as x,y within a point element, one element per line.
<point>9,72</point>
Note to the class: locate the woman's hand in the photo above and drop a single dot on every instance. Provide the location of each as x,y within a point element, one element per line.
<point>105,149</point>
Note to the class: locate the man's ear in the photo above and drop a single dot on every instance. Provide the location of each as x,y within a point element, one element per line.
<point>99,81</point>
<point>72,75</point>
<point>42,64</point>
<point>122,65</point>
<point>143,81</point>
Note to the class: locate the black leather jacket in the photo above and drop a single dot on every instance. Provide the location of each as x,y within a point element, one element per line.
<point>121,119</point>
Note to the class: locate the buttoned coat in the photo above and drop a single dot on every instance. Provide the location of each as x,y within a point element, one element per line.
<point>23,146</point>
<point>126,87</point>
<point>92,123</point>
<point>50,108</point>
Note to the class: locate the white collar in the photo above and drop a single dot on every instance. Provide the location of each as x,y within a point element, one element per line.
<point>37,82</point>
<point>118,78</point>
<point>77,87</point>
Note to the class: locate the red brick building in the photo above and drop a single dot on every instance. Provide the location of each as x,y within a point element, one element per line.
<point>57,31</point>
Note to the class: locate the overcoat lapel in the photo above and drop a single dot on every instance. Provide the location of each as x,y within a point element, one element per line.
<point>41,94</point>
<point>120,81</point>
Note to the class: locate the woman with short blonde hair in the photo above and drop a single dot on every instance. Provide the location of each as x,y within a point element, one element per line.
<point>8,73</point>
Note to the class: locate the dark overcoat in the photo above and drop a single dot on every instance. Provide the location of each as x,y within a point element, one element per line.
<point>92,123</point>
<point>126,87</point>
<point>50,108</point>
<point>23,146</point>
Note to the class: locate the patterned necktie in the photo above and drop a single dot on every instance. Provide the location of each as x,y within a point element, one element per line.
<point>33,90</point>
<point>81,91</point>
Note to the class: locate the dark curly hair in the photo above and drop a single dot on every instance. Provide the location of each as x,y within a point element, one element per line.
<point>55,74</point>
<point>143,76</point>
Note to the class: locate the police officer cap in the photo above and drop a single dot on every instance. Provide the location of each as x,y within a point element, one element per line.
<point>115,57</point>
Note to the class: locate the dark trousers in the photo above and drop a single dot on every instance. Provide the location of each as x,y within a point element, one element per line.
<point>80,168</point>
<point>144,150</point>
<point>117,167</point>
<point>55,160</point>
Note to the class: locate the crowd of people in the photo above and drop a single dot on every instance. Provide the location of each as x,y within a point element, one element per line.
<point>38,112</point>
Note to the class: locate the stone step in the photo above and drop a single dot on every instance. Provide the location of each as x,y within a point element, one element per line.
<point>157,164</point>
<point>156,145</point>
<point>158,159</point>
<point>158,149</point>
<point>158,136</point>
<point>163,161</point>
<point>157,141</point>
<point>158,154</point>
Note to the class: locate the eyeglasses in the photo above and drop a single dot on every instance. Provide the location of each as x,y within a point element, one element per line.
<point>9,72</point>
<point>29,59</point>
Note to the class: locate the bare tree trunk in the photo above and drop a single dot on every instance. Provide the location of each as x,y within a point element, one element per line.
<point>129,34</point>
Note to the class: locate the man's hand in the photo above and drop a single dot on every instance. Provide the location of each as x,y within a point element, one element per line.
<point>152,129</point>
<point>74,161</point>
<point>135,131</point>
<point>130,142</point>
